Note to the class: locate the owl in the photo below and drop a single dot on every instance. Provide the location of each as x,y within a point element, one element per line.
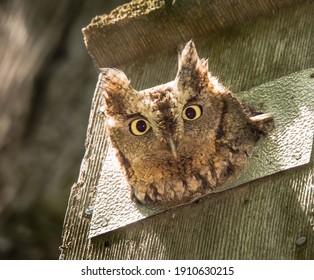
<point>181,139</point>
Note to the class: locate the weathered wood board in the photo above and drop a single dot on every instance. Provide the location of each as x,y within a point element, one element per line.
<point>261,219</point>
<point>288,145</point>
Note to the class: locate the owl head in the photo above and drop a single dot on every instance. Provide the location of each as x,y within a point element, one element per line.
<point>179,139</point>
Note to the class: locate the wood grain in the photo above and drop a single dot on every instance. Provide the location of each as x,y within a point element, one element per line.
<point>141,28</point>
<point>259,220</point>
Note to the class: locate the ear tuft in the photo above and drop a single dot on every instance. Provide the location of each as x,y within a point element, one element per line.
<point>116,91</point>
<point>188,56</point>
<point>114,80</point>
<point>192,72</point>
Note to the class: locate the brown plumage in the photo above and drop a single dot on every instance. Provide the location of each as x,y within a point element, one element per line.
<point>181,139</point>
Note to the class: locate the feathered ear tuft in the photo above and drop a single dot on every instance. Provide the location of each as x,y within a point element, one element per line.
<point>188,56</point>
<point>192,71</point>
<point>114,81</point>
<point>116,90</point>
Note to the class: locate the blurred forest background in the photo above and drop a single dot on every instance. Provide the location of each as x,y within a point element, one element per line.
<point>47,80</point>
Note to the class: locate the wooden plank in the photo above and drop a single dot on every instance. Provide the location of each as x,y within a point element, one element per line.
<point>143,27</point>
<point>262,219</point>
<point>287,145</point>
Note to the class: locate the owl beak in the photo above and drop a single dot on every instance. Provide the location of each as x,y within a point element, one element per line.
<point>172,147</point>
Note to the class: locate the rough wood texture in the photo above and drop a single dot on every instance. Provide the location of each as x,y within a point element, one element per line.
<point>145,27</point>
<point>259,220</point>
<point>287,145</point>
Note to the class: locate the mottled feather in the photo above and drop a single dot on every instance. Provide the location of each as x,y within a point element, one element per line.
<point>182,139</point>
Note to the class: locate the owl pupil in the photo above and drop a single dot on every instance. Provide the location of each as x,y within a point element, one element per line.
<point>190,113</point>
<point>141,126</point>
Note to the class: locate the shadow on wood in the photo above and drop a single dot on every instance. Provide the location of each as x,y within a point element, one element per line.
<point>262,219</point>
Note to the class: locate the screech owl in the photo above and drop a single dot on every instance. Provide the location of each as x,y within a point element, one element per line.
<point>181,139</point>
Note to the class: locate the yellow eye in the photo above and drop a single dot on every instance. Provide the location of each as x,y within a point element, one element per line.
<point>139,126</point>
<point>192,113</point>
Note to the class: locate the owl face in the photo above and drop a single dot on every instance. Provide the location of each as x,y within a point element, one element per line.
<point>169,138</point>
